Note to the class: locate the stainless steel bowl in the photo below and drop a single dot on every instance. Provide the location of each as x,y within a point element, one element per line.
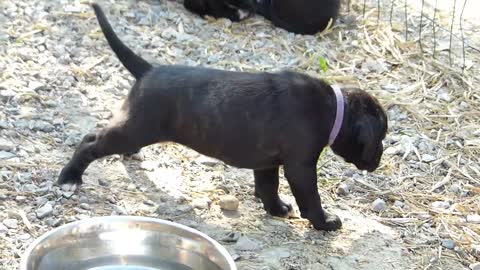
<point>125,242</point>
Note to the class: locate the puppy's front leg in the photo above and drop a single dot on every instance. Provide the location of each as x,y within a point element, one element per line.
<point>302,178</point>
<point>266,188</point>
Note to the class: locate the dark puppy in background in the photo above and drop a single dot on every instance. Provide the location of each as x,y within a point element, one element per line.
<point>250,120</point>
<point>298,16</point>
<point>219,8</point>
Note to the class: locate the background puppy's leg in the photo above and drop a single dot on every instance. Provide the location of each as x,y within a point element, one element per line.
<point>118,139</point>
<point>196,6</point>
<point>266,188</point>
<point>215,8</point>
<point>302,178</point>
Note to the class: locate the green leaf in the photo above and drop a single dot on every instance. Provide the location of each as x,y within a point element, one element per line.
<point>322,64</point>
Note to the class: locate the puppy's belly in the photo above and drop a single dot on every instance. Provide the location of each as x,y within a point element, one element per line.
<point>235,151</point>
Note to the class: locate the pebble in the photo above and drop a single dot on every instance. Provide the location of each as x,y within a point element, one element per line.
<point>448,243</point>
<point>476,250</point>
<point>85,206</point>
<point>41,126</point>
<point>246,244</point>
<point>203,203</point>
<point>5,145</point>
<point>475,266</point>
<point>231,237</point>
<point>399,204</point>
<point>441,205</point>
<point>3,229</point>
<point>10,223</point>
<point>428,158</point>
<point>228,202</point>
<point>20,199</point>
<point>54,222</point>
<point>111,199</point>
<point>379,205</point>
<point>474,219</point>
<point>455,188</point>
<point>6,155</point>
<point>149,202</point>
<point>44,211</point>
<point>67,194</point>
<point>343,189</point>
<point>102,183</point>
<point>131,187</point>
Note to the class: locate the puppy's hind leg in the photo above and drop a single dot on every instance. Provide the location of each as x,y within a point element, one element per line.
<point>118,139</point>
<point>266,188</point>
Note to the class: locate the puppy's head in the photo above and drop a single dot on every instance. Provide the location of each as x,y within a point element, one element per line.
<point>363,129</point>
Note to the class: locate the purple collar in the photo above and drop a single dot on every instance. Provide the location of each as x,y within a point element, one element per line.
<point>339,114</point>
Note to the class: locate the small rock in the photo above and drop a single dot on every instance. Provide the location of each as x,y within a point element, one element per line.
<point>30,188</point>
<point>428,158</point>
<point>3,229</point>
<point>441,205</point>
<point>475,219</point>
<point>203,203</point>
<point>5,145</point>
<point>41,126</point>
<point>231,237</point>
<point>131,187</point>
<point>390,87</point>
<point>229,202</point>
<point>475,249</point>
<point>246,244</point>
<point>85,206</point>
<point>378,205</point>
<point>182,209</point>
<point>343,189</point>
<point>475,266</point>
<point>20,199</point>
<point>54,222</point>
<point>44,211</point>
<point>455,188</point>
<point>10,223</point>
<point>67,194</point>
<point>149,202</point>
<point>6,155</point>
<point>444,95</point>
<point>102,183</point>
<point>84,199</point>
<point>35,85</point>
<point>399,204</point>
<point>111,199</point>
<point>448,243</point>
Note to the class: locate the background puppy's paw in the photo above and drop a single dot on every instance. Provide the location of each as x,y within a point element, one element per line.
<point>242,14</point>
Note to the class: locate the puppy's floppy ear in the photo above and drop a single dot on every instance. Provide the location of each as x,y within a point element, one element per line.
<point>366,138</point>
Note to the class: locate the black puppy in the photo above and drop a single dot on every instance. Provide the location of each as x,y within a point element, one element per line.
<point>298,16</point>
<point>251,120</point>
<point>219,8</point>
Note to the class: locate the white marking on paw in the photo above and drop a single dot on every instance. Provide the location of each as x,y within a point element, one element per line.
<point>242,14</point>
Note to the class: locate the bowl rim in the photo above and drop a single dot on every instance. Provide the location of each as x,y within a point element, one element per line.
<point>222,250</point>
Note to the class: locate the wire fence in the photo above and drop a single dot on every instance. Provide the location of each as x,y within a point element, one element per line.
<point>428,21</point>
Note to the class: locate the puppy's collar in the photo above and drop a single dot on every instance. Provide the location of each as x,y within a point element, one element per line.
<point>338,115</point>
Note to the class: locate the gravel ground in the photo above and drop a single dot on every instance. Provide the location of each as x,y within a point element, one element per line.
<point>60,80</point>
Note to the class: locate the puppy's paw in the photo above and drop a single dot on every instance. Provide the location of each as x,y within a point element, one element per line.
<point>329,222</point>
<point>242,14</point>
<point>279,209</point>
<point>69,177</point>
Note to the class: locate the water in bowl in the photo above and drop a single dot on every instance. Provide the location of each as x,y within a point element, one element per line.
<point>135,263</point>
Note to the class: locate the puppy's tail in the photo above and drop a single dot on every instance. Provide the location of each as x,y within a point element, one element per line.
<point>134,63</point>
